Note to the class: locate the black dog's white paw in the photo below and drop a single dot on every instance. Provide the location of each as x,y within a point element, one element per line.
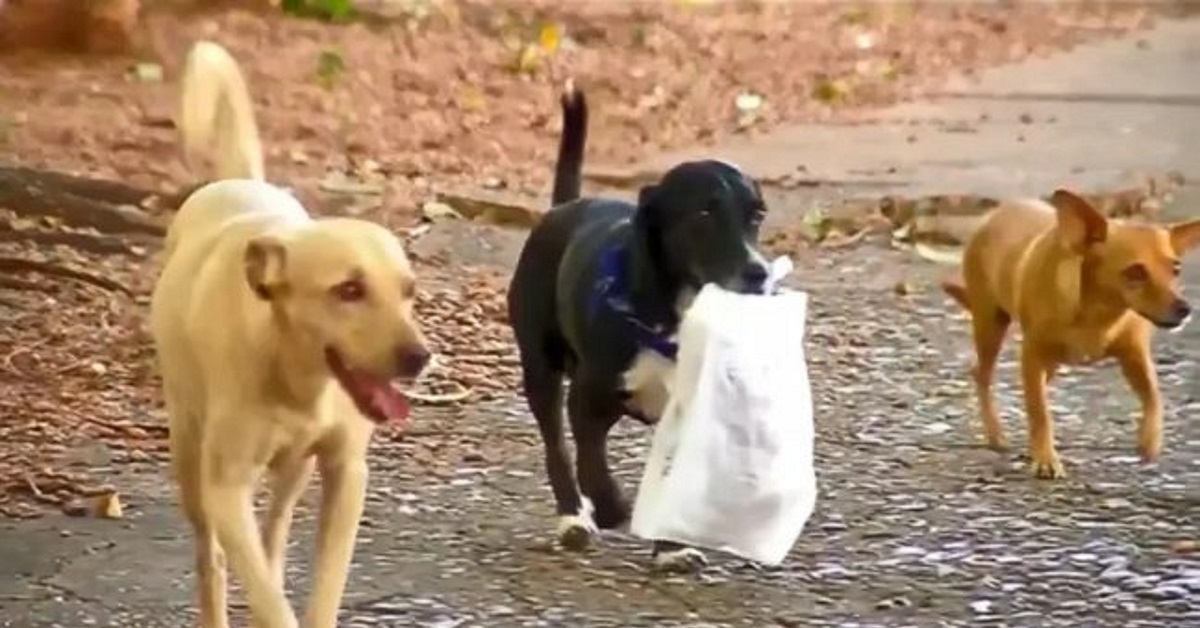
<point>680,561</point>
<point>575,532</point>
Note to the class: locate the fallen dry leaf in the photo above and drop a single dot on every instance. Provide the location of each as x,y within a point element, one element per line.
<point>107,506</point>
<point>938,255</point>
<point>549,38</point>
<point>1185,546</point>
<point>436,210</point>
<point>492,208</point>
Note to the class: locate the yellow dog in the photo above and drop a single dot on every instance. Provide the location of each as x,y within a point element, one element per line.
<point>278,337</point>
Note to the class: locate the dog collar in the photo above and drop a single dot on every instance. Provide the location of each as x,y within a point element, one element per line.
<point>611,291</point>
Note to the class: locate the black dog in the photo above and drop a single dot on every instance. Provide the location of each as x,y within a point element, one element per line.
<point>597,297</point>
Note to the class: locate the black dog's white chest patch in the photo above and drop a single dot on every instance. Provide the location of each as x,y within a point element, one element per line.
<point>646,383</point>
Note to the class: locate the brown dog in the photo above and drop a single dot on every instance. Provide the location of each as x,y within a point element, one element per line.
<point>1082,288</point>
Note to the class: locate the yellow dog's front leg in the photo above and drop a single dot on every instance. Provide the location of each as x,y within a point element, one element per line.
<point>343,495</point>
<point>229,506</point>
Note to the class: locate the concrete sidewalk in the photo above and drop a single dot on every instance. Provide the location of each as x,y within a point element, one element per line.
<point>1092,118</point>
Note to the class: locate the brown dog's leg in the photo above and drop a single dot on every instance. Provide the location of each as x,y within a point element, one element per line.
<point>1035,372</point>
<point>989,329</point>
<point>1138,368</point>
<point>286,489</point>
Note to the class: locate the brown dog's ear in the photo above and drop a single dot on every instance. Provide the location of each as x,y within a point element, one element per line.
<point>1185,236</point>
<point>266,258</point>
<point>1079,223</point>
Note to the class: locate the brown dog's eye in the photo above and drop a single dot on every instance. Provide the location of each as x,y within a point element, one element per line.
<point>1135,274</point>
<point>350,290</point>
<point>1175,269</point>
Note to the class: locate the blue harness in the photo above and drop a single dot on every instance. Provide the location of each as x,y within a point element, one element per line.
<point>611,290</point>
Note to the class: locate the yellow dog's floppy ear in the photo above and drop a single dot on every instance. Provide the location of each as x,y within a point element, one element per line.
<point>266,260</point>
<point>1185,236</point>
<point>1079,223</point>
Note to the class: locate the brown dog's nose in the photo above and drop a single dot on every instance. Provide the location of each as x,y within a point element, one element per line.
<point>1180,311</point>
<point>412,360</point>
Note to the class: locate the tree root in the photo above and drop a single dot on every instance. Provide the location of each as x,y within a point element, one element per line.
<point>17,264</point>
<point>92,243</point>
<point>71,200</point>
<point>13,283</point>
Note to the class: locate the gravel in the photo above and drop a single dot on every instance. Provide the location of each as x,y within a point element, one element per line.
<point>917,524</point>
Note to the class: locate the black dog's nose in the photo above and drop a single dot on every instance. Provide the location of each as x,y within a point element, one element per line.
<point>755,276</point>
<point>412,360</point>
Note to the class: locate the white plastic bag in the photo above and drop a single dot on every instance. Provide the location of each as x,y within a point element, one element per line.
<point>731,462</point>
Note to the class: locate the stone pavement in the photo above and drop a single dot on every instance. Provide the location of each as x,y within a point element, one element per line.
<point>916,525</point>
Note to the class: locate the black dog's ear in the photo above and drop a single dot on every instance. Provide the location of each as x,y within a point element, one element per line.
<point>646,195</point>
<point>646,278</point>
<point>643,249</point>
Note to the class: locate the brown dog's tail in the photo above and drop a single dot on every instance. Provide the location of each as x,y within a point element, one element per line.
<point>955,288</point>
<point>568,172</point>
<point>216,113</point>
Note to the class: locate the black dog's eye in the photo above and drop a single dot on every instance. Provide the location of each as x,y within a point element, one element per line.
<point>350,291</point>
<point>759,214</point>
<point>1135,274</point>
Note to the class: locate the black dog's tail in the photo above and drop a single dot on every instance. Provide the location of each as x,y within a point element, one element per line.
<point>568,172</point>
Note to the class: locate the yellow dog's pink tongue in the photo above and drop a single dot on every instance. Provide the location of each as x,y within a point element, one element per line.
<point>374,396</point>
<point>390,402</point>
<point>378,398</point>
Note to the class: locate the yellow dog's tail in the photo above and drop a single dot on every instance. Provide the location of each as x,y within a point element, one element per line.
<point>216,114</point>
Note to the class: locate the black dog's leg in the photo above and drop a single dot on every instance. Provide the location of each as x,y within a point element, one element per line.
<point>593,410</point>
<point>672,557</point>
<point>544,392</point>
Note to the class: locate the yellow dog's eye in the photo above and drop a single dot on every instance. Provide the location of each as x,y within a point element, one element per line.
<point>350,290</point>
<point>1175,268</point>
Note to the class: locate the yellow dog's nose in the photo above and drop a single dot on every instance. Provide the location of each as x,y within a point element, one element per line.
<point>411,360</point>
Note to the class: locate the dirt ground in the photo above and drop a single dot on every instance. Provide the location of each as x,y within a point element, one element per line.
<point>448,95</point>
<point>919,528</point>
<point>439,98</point>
